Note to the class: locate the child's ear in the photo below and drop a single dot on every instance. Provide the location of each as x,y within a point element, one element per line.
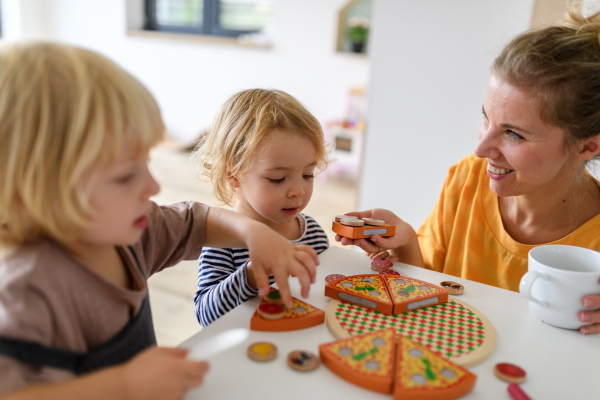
<point>233,181</point>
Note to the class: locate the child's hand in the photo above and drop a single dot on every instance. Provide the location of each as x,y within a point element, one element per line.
<point>161,373</point>
<point>590,301</point>
<point>272,254</point>
<point>404,245</point>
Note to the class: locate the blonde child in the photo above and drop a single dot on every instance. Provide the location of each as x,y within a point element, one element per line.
<point>263,149</point>
<point>80,236</point>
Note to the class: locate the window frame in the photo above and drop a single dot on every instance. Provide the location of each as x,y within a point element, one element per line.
<point>210,22</point>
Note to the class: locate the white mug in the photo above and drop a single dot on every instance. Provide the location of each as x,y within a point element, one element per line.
<point>559,277</point>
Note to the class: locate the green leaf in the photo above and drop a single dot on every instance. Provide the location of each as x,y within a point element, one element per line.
<point>360,356</point>
<point>409,289</point>
<point>364,288</point>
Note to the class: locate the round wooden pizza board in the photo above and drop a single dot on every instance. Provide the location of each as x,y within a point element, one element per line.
<point>455,330</point>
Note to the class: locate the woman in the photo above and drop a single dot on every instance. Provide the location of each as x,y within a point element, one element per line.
<point>527,183</point>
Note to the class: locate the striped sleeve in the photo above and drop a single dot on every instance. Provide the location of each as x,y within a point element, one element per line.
<point>222,283</point>
<point>315,236</point>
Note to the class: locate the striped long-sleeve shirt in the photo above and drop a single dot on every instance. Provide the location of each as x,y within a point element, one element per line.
<point>222,283</point>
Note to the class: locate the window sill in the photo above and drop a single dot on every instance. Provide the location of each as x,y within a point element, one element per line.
<point>195,38</point>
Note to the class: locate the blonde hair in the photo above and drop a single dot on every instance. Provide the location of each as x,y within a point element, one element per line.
<point>561,66</point>
<point>65,113</point>
<point>240,126</point>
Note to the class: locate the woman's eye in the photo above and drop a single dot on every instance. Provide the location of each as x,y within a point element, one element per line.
<point>276,180</point>
<point>514,135</point>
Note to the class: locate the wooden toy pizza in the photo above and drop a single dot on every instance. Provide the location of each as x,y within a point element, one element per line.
<point>377,362</point>
<point>302,315</point>
<point>355,228</point>
<point>455,329</point>
<point>366,360</point>
<point>365,290</point>
<point>423,374</point>
<point>388,294</point>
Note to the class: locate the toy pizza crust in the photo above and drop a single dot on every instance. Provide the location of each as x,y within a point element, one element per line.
<point>422,374</point>
<point>365,360</point>
<point>302,315</point>
<point>365,290</point>
<point>408,293</point>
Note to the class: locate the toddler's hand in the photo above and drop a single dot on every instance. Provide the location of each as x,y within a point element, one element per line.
<point>272,254</point>
<point>161,373</point>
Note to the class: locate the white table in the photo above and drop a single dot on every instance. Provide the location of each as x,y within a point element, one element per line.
<point>560,364</point>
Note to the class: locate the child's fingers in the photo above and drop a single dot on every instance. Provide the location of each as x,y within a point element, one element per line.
<point>310,251</point>
<point>309,265</point>
<point>281,277</point>
<point>195,372</point>
<point>304,277</point>
<point>262,279</point>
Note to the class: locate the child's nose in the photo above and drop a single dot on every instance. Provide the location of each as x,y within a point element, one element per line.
<point>296,190</point>
<point>152,188</point>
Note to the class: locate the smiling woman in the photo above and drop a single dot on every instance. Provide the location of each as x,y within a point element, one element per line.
<point>527,183</point>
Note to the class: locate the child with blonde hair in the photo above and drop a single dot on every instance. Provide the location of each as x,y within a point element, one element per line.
<point>80,235</point>
<point>263,149</point>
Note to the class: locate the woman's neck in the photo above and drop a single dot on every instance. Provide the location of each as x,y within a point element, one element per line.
<point>545,217</point>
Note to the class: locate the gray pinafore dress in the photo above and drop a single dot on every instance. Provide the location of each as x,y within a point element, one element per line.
<point>136,336</point>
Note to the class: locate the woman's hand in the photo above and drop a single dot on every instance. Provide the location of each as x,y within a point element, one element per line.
<point>590,301</point>
<point>403,246</point>
<point>272,254</point>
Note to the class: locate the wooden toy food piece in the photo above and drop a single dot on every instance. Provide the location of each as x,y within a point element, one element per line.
<point>339,217</point>
<point>333,277</point>
<point>422,374</point>
<point>352,222</point>
<point>362,232</point>
<point>461,332</point>
<point>271,311</point>
<point>453,287</point>
<point>409,293</point>
<point>516,393</point>
<point>364,290</point>
<point>302,315</point>
<point>273,297</point>
<point>301,360</point>
<point>374,222</point>
<point>378,265</point>
<point>262,351</point>
<point>366,360</point>
<point>510,373</point>
<point>388,272</point>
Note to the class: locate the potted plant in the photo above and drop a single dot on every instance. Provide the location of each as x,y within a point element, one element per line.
<point>358,32</point>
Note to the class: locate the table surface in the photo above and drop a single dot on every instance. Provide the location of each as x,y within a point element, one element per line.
<point>560,363</point>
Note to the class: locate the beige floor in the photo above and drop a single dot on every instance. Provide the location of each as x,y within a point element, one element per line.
<point>172,291</point>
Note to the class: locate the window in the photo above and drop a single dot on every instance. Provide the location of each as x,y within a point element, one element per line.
<point>208,17</point>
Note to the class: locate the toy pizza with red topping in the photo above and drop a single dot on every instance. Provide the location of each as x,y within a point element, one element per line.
<point>375,361</point>
<point>302,315</point>
<point>388,294</point>
<point>365,290</point>
<point>365,360</point>
<point>422,374</point>
<point>408,293</point>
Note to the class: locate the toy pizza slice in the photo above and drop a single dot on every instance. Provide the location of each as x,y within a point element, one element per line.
<point>363,232</point>
<point>302,315</point>
<point>422,374</point>
<point>409,293</point>
<point>364,290</point>
<point>366,360</point>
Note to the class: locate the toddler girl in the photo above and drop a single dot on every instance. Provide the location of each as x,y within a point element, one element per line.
<point>80,236</point>
<point>263,149</point>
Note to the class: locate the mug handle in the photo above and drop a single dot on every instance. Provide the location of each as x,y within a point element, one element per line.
<point>526,284</point>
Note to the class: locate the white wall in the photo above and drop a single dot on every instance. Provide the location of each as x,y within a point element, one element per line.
<point>430,63</point>
<point>189,79</point>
